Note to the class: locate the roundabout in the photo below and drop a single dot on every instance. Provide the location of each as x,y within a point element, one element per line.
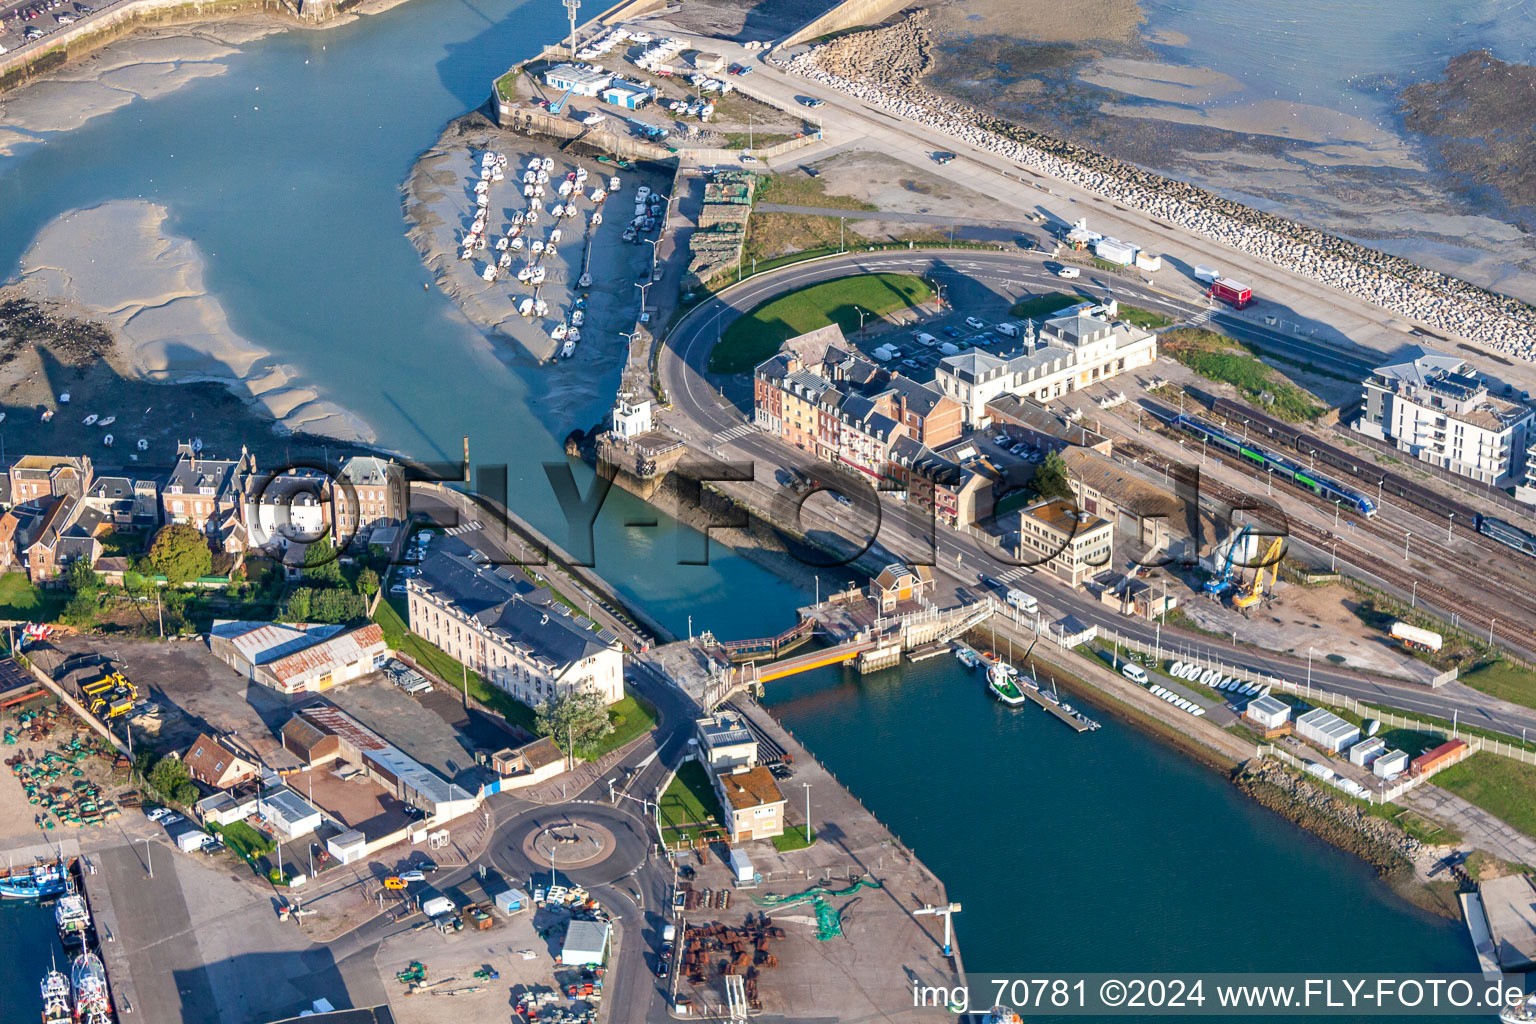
<point>590,844</point>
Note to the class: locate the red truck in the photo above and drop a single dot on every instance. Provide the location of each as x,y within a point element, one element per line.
<point>1231,292</point>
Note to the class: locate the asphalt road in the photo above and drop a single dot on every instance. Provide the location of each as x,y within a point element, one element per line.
<point>960,559</point>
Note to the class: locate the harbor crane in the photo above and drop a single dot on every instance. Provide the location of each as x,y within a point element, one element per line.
<point>948,910</point>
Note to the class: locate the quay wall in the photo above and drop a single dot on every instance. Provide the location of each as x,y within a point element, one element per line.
<point>846,15</point>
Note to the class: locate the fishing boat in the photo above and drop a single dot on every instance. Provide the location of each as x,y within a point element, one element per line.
<point>55,989</point>
<point>72,916</point>
<point>92,1003</point>
<point>47,415</point>
<point>578,317</point>
<point>1003,681</point>
<point>30,883</point>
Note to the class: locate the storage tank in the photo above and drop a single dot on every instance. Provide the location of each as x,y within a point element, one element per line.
<point>1115,251</point>
<point>1416,638</point>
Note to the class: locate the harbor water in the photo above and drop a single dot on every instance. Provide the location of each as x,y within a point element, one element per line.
<point>29,945</point>
<point>1105,850</point>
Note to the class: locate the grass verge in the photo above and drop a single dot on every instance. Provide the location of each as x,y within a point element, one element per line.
<point>689,806</point>
<point>758,335</point>
<point>792,839</point>
<point>1219,358</point>
<point>1503,680</point>
<point>799,190</point>
<point>243,839</point>
<point>1043,305</point>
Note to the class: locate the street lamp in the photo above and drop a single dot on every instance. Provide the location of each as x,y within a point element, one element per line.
<point>1414,603</point>
<point>1309,671</point>
<point>1491,624</point>
<point>148,863</point>
<point>1450,521</point>
<point>1406,537</point>
<point>1333,564</point>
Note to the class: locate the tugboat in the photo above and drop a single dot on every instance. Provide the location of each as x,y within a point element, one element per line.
<point>56,998</point>
<point>92,1004</point>
<point>34,882</point>
<point>1002,680</point>
<point>72,916</point>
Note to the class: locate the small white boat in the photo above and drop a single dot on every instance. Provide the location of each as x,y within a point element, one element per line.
<point>497,174</point>
<point>598,195</point>
<point>534,163</point>
<point>524,273</point>
<point>559,332</point>
<point>143,444</point>
<point>549,164</point>
<point>585,281</point>
<point>543,177</point>
<point>517,245</point>
<point>489,273</point>
<point>64,398</point>
<point>525,308</point>
<point>554,236</point>
<point>482,187</point>
<point>565,188</point>
<point>47,415</point>
<point>532,218</point>
<point>567,350</point>
<point>581,175</point>
<point>529,177</point>
<point>505,261</point>
<point>574,335</point>
<point>107,440</point>
<point>482,201</point>
<point>517,218</point>
<point>537,246</point>
<point>90,419</point>
<point>528,191</point>
<point>613,183</point>
<point>501,244</point>
<point>106,421</point>
<point>538,275</point>
<point>597,219</point>
<point>540,307</point>
<point>578,317</point>
<point>558,211</point>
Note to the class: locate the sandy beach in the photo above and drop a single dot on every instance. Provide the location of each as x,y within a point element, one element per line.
<point>118,264</point>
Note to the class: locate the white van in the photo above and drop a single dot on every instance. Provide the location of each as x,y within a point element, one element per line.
<point>926,339</point>
<point>1023,602</point>
<point>1069,272</point>
<point>1135,673</point>
<point>1011,330</point>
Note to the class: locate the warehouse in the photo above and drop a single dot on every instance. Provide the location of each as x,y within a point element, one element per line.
<point>586,944</point>
<point>630,95</point>
<point>1324,729</point>
<point>1390,765</point>
<point>581,81</point>
<point>1366,752</point>
<point>288,812</point>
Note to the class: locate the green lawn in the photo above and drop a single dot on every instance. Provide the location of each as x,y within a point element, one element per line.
<point>19,599</point>
<point>1144,317</point>
<point>243,839</point>
<point>1500,786</point>
<point>631,717</point>
<point>1503,680</point>
<point>689,805</point>
<point>758,335</point>
<point>504,85</point>
<point>792,839</point>
<point>1037,306</point>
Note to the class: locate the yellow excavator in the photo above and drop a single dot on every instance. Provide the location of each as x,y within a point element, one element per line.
<point>1255,590</point>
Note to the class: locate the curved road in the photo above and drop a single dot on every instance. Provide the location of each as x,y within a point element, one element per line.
<point>685,356</point>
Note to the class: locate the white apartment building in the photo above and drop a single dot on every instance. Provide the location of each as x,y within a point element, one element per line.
<point>510,632</point>
<point>1436,409</point>
<point>1073,348</point>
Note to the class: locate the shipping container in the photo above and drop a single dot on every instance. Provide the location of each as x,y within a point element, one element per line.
<point>1234,293</point>
<point>1443,756</point>
<point>741,867</point>
<point>1390,765</point>
<point>1115,251</point>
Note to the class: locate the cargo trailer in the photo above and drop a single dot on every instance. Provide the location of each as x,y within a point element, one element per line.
<point>1234,293</point>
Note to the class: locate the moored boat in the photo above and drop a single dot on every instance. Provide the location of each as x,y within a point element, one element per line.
<point>92,1003</point>
<point>55,988</point>
<point>1003,681</point>
<point>72,916</point>
<point>33,882</point>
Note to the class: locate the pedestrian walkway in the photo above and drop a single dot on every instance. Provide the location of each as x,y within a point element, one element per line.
<point>1014,575</point>
<point>1483,830</point>
<point>469,527</point>
<point>740,430</point>
<point>1201,318</point>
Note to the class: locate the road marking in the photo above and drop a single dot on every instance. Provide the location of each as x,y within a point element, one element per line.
<point>739,430</point>
<point>473,524</point>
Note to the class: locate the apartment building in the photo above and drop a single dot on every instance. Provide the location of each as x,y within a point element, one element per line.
<point>1058,537</point>
<point>510,632</point>
<point>1071,349</point>
<point>209,494</point>
<point>1435,408</point>
<point>50,476</point>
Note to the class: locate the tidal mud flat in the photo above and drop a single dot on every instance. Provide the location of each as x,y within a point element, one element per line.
<point>119,266</point>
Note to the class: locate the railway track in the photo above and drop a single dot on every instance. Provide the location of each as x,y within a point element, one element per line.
<point>1467,610</point>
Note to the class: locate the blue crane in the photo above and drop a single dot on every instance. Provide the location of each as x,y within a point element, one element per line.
<point>1222,580</point>
<point>559,104</point>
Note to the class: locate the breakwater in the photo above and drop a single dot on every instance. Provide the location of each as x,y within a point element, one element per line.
<point>1395,284</point>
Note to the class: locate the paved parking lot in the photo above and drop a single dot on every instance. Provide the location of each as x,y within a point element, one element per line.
<point>44,16</point>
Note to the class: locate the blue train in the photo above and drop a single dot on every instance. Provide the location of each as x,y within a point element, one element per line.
<point>1282,466</point>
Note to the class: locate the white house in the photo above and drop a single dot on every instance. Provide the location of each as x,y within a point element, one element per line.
<point>513,634</point>
<point>583,80</point>
<point>630,419</point>
<point>1267,712</point>
<point>288,812</point>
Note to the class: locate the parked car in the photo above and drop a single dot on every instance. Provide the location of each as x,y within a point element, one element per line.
<point>1069,272</point>
<point>952,332</point>
<point>426,864</point>
<point>412,876</point>
<point>975,323</point>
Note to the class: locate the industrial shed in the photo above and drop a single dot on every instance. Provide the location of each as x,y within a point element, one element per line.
<point>1324,729</point>
<point>1366,752</point>
<point>586,944</point>
<point>1268,712</point>
<point>1390,765</point>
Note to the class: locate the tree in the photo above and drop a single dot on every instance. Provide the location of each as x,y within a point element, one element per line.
<point>367,583</point>
<point>335,604</point>
<point>82,578</point>
<point>81,610</point>
<point>181,554</point>
<point>298,607</point>
<point>1051,479</point>
<point>170,779</point>
<point>320,564</point>
<point>578,719</point>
